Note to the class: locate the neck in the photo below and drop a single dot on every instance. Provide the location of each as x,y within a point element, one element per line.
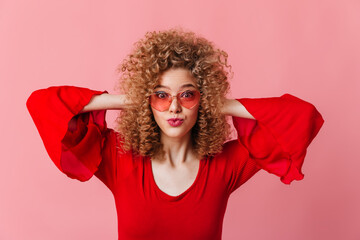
<point>178,151</point>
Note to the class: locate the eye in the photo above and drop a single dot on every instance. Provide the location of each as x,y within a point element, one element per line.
<point>187,94</point>
<point>161,95</point>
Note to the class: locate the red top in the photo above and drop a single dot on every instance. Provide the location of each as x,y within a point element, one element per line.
<point>81,146</point>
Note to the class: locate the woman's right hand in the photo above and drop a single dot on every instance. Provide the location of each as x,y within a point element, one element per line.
<point>107,101</point>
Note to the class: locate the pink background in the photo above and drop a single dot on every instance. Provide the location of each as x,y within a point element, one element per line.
<point>306,48</point>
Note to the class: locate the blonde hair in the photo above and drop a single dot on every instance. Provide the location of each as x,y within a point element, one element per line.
<point>139,73</point>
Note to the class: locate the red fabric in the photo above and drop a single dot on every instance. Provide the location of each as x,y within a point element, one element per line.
<point>81,145</point>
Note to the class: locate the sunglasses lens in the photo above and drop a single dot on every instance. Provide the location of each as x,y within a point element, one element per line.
<point>189,99</point>
<point>162,101</point>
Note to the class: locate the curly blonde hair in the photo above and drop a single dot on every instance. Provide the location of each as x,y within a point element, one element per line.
<point>139,74</point>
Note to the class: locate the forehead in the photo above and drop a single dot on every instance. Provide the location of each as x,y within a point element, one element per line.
<point>176,79</point>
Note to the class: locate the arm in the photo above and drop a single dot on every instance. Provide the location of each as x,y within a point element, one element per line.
<point>235,108</point>
<point>275,132</point>
<point>107,101</point>
<point>80,144</point>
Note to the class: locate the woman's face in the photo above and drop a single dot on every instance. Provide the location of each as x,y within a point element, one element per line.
<point>174,81</point>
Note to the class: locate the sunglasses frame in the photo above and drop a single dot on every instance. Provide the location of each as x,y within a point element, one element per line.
<point>171,98</point>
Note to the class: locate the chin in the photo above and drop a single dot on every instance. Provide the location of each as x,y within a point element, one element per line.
<point>175,132</point>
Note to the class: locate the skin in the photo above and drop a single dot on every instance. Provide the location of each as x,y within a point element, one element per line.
<point>176,140</point>
<point>178,170</point>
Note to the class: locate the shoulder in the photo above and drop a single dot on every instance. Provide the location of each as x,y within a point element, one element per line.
<point>232,155</point>
<point>234,148</point>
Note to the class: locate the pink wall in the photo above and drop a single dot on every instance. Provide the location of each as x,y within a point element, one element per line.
<point>306,48</point>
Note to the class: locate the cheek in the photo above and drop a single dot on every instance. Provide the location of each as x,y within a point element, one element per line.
<point>193,116</point>
<point>157,117</point>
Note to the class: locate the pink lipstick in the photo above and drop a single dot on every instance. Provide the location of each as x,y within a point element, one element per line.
<point>174,122</point>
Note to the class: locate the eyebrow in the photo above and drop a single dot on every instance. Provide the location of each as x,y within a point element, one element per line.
<point>183,86</point>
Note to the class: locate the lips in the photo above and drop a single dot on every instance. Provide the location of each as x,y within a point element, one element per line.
<point>175,121</point>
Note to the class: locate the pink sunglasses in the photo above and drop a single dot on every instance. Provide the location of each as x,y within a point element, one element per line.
<point>161,100</point>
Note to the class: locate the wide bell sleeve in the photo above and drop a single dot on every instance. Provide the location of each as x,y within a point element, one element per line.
<point>79,144</point>
<point>276,140</point>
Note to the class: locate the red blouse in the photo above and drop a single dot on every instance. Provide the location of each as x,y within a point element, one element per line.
<point>81,146</point>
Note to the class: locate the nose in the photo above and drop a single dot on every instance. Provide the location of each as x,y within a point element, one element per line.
<point>175,106</point>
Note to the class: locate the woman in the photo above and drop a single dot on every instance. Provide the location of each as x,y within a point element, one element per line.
<point>167,163</point>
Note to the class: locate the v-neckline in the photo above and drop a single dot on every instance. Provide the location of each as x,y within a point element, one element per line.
<point>163,194</point>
